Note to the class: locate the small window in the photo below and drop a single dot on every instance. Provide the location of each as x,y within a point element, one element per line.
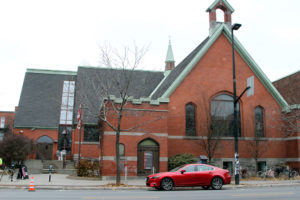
<point>190,119</point>
<point>261,166</point>
<point>91,133</point>
<point>2,123</point>
<point>228,165</point>
<point>259,121</point>
<point>122,149</point>
<point>1,135</point>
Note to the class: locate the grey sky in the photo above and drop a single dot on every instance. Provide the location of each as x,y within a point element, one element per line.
<point>62,34</point>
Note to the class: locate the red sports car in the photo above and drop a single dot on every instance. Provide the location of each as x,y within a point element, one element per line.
<point>190,175</point>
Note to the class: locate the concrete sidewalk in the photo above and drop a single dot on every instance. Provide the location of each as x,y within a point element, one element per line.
<point>65,182</point>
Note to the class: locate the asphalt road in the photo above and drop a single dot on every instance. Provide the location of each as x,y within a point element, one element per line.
<point>263,193</point>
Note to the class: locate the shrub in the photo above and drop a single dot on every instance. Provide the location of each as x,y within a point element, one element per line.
<point>180,159</point>
<point>15,148</point>
<point>87,168</point>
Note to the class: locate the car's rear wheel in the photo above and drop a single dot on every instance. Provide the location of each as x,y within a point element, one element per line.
<point>216,183</point>
<point>167,184</point>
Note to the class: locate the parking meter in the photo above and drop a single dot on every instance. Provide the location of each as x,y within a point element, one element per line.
<point>50,171</point>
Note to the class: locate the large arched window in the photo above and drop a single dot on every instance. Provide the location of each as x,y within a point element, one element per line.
<point>259,121</point>
<point>222,116</point>
<point>190,119</point>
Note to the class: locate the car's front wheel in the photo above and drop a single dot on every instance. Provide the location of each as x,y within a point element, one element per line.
<point>216,183</point>
<point>167,184</point>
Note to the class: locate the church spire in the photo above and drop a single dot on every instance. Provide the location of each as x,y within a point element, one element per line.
<point>170,62</point>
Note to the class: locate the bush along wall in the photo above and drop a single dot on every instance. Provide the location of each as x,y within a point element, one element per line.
<point>180,159</point>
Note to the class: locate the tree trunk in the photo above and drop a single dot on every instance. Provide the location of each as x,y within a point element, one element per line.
<point>118,179</point>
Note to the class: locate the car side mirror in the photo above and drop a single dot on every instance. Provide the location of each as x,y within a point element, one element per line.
<point>182,171</point>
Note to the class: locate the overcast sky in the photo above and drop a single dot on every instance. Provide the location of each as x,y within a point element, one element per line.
<point>63,34</point>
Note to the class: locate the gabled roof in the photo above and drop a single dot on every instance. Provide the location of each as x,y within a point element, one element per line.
<point>177,75</point>
<point>222,1</point>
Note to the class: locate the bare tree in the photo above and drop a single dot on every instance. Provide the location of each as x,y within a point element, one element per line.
<point>212,128</point>
<point>112,90</point>
<point>257,147</point>
<point>291,121</point>
<point>287,121</point>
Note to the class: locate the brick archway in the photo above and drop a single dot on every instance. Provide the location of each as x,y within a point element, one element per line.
<point>44,148</point>
<point>148,157</point>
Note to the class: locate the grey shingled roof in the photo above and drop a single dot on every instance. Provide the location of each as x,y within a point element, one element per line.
<point>177,71</point>
<point>40,100</point>
<point>92,83</point>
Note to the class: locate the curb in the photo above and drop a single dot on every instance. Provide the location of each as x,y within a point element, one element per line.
<point>72,187</point>
<point>132,187</point>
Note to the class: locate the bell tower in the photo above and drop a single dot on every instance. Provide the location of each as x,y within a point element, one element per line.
<point>225,7</point>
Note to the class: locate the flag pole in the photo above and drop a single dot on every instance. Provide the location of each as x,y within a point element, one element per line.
<point>79,125</point>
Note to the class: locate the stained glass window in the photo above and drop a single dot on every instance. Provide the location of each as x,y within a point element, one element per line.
<point>190,120</point>
<point>259,121</point>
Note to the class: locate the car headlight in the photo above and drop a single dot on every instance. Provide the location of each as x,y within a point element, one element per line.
<point>155,177</point>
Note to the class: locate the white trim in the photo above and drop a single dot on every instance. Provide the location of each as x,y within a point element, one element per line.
<point>263,159</point>
<point>93,143</point>
<point>166,75</point>
<point>232,138</point>
<point>136,134</point>
<point>131,158</point>
<point>163,159</point>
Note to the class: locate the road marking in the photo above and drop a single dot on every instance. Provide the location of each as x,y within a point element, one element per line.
<point>263,194</point>
<point>121,197</point>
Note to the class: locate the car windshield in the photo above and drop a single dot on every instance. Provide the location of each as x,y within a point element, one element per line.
<point>176,168</point>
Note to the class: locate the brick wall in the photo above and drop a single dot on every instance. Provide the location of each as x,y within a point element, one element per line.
<point>289,88</point>
<point>213,76</point>
<point>9,121</point>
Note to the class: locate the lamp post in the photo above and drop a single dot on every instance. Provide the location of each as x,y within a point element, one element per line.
<point>235,122</point>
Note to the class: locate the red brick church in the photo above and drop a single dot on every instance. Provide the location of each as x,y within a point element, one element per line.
<point>180,110</point>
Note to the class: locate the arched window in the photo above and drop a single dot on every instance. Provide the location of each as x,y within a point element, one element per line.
<point>148,143</point>
<point>222,116</point>
<point>190,119</point>
<point>259,121</point>
<point>122,149</point>
<point>220,15</point>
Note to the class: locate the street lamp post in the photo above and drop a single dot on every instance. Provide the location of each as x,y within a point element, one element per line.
<point>235,125</point>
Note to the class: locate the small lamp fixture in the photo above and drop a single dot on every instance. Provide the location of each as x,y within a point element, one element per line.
<point>236,26</point>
